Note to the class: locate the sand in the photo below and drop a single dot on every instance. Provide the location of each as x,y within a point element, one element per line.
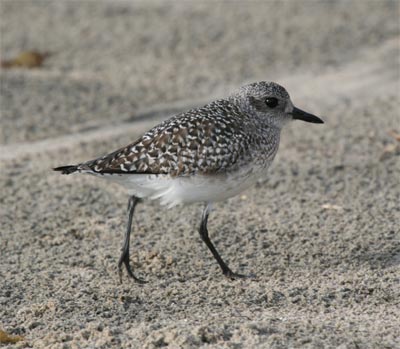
<point>321,234</point>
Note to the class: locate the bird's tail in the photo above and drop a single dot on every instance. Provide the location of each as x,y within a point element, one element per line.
<point>67,169</point>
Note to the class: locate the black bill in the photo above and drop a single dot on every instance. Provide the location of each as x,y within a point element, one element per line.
<point>298,114</point>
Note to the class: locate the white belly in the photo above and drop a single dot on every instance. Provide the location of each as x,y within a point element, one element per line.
<point>179,190</point>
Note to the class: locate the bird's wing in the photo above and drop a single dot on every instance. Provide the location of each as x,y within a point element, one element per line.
<point>205,140</point>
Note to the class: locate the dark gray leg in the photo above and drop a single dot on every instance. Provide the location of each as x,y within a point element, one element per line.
<point>204,236</point>
<point>133,201</point>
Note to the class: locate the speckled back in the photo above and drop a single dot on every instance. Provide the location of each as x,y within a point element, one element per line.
<point>216,138</point>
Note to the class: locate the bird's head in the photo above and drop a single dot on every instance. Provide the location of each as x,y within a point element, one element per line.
<point>271,103</point>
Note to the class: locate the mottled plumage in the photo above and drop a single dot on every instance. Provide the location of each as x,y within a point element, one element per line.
<point>205,154</point>
<point>217,138</point>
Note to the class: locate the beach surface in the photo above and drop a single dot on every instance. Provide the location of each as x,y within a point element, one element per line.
<point>321,234</point>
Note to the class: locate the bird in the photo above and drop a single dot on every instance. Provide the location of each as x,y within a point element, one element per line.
<point>205,155</point>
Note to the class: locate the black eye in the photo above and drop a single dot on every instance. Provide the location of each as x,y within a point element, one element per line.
<point>272,102</point>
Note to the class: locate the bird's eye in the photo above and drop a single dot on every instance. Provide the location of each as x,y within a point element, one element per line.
<point>271,102</point>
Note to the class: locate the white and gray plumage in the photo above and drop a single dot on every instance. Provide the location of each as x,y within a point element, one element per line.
<point>205,155</point>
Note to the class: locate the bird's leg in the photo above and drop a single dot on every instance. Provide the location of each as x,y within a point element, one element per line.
<point>204,236</point>
<point>133,201</point>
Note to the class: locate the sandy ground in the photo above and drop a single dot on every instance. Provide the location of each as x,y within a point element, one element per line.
<point>321,234</point>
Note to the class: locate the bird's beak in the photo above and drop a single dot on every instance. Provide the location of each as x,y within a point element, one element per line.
<point>299,114</point>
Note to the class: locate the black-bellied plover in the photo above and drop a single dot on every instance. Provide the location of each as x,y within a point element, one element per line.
<point>205,155</point>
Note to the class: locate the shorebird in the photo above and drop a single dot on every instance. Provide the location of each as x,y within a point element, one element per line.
<point>206,154</point>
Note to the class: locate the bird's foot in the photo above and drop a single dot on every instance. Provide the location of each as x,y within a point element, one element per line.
<point>124,259</point>
<point>235,276</point>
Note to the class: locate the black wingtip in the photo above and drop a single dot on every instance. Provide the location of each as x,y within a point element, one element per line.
<point>66,169</point>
